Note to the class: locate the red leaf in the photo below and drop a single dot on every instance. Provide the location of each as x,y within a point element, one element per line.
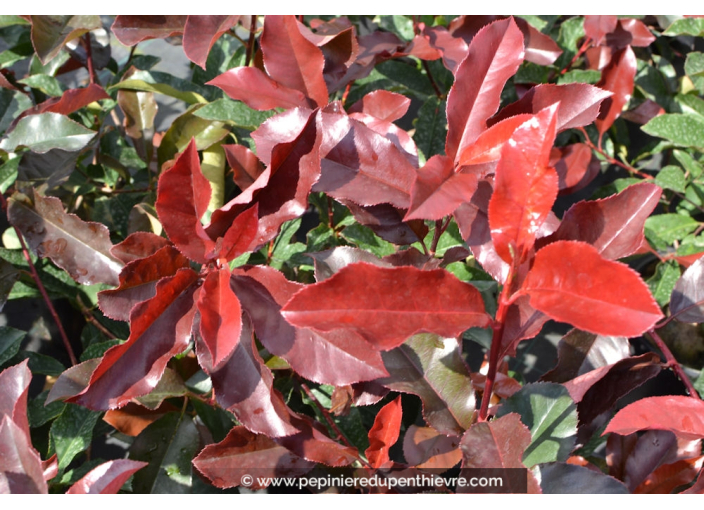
<point>684,416</point>
<point>281,128</point>
<point>393,305</point>
<point>618,77</point>
<point>387,222</point>
<point>573,164</point>
<point>239,236</point>
<point>244,386</point>
<point>161,328</point>
<point>397,136</point>
<point>698,487</point>
<point>579,104</point>
<point>50,467</point>
<point>138,245</point>
<point>384,433</point>
<point>130,30</point>
<point>182,199</point>
<point>639,33</point>
<point>337,357</point>
<point>338,42</point>
<point>570,282</point>
<point>452,49</point>
<point>496,444</point>
<point>525,187</point>
<point>383,105</point>
<point>245,165</point>
<point>138,281</point>
<point>14,388</point>
<point>312,444</point>
<point>522,322</point>
<point>244,453</point>
<point>108,478</point>
<point>72,100</point>
<point>220,319</point>
<point>201,32</point>
<point>255,89</point>
<point>132,419</point>
<point>72,381</point>
<point>21,469</point>
<point>540,48</point>
<point>670,476</point>
<point>596,27</point>
<point>438,190</point>
<point>424,447</point>
<point>292,60</point>
<point>487,147</point>
<point>494,56</point>
<point>613,225</point>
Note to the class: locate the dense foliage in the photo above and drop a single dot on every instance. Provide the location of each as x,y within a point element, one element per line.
<point>347,247</point>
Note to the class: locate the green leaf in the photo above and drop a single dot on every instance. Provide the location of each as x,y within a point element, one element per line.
<point>682,129</point>
<point>686,26</point>
<point>170,385</point>
<point>350,424</point>
<point>571,31</point>
<point>671,177</point>
<point>163,83</point>
<point>50,33</point>
<point>363,237</point>
<point>9,20</point>
<point>168,445</point>
<point>699,383</point>
<point>45,83</point>
<point>218,421</point>
<point>549,412</point>
<point>399,25</point>
<point>97,350</point>
<point>663,281</point>
<point>71,433</point>
<point>694,65</point>
<point>8,174</point>
<point>669,227</point>
<point>10,339</point>
<point>688,162</point>
<point>39,414</point>
<point>47,131</point>
<point>407,75</point>
<point>431,128</point>
<point>580,76</point>
<point>689,103</point>
<point>233,112</point>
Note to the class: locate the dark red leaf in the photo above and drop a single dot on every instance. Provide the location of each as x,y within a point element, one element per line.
<point>452,49</point>
<point>698,487</point>
<point>336,357</point>
<point>368,393</point>
<point>618,78</point>
<point>667,478</point>
<point>384,433</point>
<point>50,467</point>
<point>292,60</point>
<point>138,281</point>
<point>421,48</point>
<point>525,187</point>
<point>639,33</point>
<point>383,105</point>
<point>182,199</point>
<point>438,190</point>
<point>504,386</point>
<point>432,368</point>
<point>393,305</point>
<point>613,225</point>
<point>312,444</point>
<point>137,246</point>
<point>338,42</point>
<point>255,89</point>
<point>72,381</point>
<point>413,257</point>
<point>244,386</point>
<point>79,247</point>
<point>579,104</point>
<point>220,319</point>
<point>281,128</point>
<point>239,236</point>
<point>573,166</point>
<point>397,136</point>
<point>425,447</point>
<point>374,48</point>
<point>245,453</point>
<point>684,416</point>
<point>579,353</point>
<point>540,48</point>
<point>201,32</point>
<point>496,444</point>
<point>72,100</point>
<point>596,27</point>
<point>494,56</point>
<point>644,112</point>
<point>571,282</point>
<point>14,388</point>
<point>130,30</point>
<point>20,465</point>
<point>245,165</point>
<point>327,263</point>
<point>522,322</point>
<point>387,222</point>
<point>108,478</point>
<point>632,458</point>
<point>132,419</point>
<point>687,301</point>
<point>160,329</point>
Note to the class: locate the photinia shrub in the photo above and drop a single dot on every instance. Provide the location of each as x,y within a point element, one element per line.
<point>355,245</point>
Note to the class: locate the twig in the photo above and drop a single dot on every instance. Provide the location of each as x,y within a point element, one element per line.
<point>673,363</point>
<point>439,230</point>
<point>90,318</point>
<point>437,90</point>
<point>250,43</point>
<point>585,46</point>
<point>89,59</point>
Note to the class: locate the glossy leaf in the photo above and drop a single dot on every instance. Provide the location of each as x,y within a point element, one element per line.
<point>72,381</point>
<point>487,147</point>
<point>613,225</point>
<point>336,357</point>
<point>239,237</point>
<point>438,190</point>
<point>386,221</point>
<point>170,385</point>
<point>431,367</point>
<point>20,465</point>
<point>384,433</point>
<point>562,478</point>
<point>138,245</point>
<point>494,56</point>
<point>292,60</point>
<point>183,197</point>
<point>80,248</point>
<point>571,282</point>
<point>10,339</point>
<point>131,30</point>
<point>425,447</point>
<point>670,476</point>
<point>281,128</point>
<point>684,416</point>
<point>383,105</point>
<point>618,78</point>
<point>551,415</point>
<point>579,104</point>
<point>329,262</point>
<point>201,32</point>
<point>687,301</point>
<point>244,453</point>
<point>140,110</point>
<point>525,187</point>
<point>47,131</point>
<point>683,129</point>
<point>50,33</point>
<point>108,478</point>
<point>72,432</point>
<point>441,304</point>
<point>251,86</point>
<point>497,444</point>
<point>245,165</point>
<point>574,165</point>
<point>167,445</point>
<point>160,329</point>
<point>73,100</point>
<point>14,388</point>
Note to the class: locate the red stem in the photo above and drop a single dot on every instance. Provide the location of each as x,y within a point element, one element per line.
<point>673,363</point>
<point>585,46</point>
<point>89,59</point>
<point>250,44</point>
